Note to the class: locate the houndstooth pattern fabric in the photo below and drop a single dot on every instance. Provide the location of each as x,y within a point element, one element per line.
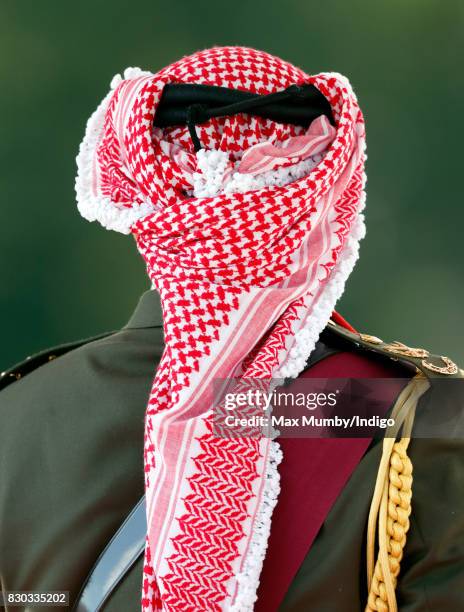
<point>247,282</point>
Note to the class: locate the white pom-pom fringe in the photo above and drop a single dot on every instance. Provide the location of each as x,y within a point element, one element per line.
<point>96,207</point>
<point>212,165</point>
<point>211,180</point>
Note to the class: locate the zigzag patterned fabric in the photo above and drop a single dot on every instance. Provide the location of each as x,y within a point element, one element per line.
<point>249,265</point>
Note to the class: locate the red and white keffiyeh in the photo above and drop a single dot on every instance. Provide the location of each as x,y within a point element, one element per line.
<point>249,243</point>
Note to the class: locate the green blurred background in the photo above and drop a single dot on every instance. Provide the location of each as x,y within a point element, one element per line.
<point>63,278</point>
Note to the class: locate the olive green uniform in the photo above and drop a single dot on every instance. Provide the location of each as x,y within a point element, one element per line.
<point>71,456</point>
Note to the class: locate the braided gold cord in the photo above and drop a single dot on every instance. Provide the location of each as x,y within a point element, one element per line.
<point>391,503</point>
<point>398,501</point>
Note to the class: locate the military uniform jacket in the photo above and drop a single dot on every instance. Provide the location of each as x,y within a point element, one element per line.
<point>71,460</point>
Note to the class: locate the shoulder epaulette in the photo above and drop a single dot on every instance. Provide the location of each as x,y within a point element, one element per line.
<point>31,363</point>
<point>432,366</point>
